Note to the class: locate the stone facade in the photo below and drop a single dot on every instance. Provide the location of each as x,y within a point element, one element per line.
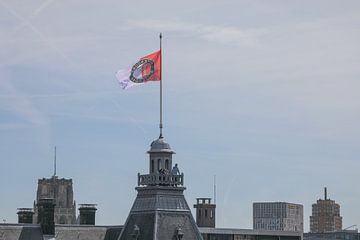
<point>61,190</point>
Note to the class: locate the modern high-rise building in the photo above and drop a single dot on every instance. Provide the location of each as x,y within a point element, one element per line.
<point>325,216</point>
<point>280,216</point>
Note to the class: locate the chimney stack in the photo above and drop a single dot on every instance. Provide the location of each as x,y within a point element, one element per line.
<point>46,210</point>
<point>25,215</point>
<point>87,214</point>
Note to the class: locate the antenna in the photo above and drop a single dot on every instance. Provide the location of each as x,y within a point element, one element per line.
<point>325,193</point>
<point>55,161</point>
<point>214,189</point>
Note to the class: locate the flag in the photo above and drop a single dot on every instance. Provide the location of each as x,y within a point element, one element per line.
<point>146,69</point>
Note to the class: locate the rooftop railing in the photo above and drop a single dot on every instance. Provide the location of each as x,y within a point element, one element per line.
<point>160,179</point>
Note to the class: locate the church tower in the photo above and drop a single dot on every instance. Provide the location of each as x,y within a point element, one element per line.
<point>160,211</point>
<point>61,191</point>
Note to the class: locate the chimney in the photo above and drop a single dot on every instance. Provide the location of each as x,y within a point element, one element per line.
<point>325,193</point>
<point>46,209</point>
<point>25,215</point>
<point>205,212</point>
<point>87,214</point>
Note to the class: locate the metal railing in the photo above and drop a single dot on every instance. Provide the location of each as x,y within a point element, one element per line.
<point>159,179</point>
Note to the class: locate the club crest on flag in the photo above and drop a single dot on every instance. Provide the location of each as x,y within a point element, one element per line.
<point>146,69</point>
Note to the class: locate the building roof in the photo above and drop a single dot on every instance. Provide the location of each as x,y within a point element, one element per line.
<point>159,145</point>
<point>62,232</point>
<point>248,232</point>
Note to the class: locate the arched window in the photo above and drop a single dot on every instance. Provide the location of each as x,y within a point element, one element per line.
<point>159,164</point>
<point>167,164</point>
<point>152,166</point>
<point>62,220</point>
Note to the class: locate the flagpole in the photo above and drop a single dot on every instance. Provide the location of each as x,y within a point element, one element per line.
<point>161,122</point>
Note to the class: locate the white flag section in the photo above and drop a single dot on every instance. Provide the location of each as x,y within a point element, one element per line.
<point>123,76</point>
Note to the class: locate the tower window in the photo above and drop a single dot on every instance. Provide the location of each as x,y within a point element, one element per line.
<point>205,212</point>
<point>152,165</point>
<point>167,164</point>
<point>199,212</point>
<point>159,164</point>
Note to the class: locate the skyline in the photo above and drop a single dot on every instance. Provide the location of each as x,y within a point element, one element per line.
<point>262,95</point>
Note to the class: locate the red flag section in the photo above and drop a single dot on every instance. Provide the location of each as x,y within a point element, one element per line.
<point>151,68</point>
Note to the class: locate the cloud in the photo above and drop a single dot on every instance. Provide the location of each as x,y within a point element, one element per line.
<point>22,107</point>
<point>213,33</point>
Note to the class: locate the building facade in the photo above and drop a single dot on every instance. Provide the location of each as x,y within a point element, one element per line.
<point>337,235</point>
<point>247,234</point>
<point>325,216</point>
<point>279,216</point>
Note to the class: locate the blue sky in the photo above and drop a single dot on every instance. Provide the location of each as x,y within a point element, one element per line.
<point>262,94</point>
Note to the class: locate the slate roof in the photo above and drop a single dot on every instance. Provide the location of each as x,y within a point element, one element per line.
<point>158,212</point>
<point>62,232</point>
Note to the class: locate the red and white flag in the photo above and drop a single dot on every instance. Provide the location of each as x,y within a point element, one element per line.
<point>146,69</point>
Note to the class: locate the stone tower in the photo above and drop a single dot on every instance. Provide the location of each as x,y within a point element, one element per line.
<point>160,211</point>
<point>61,190</point>
<point>205,212</point>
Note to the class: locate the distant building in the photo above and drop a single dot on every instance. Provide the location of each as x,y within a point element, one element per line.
<point>337,235</point>
<point>61,190</point>
<point>325,216</point>
<point>247,234</point>
<point>279,216</point>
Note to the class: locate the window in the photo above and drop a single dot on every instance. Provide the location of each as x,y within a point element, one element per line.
<point>199,212</point>
<point>167,164</point>
<point>159,164</point>
<point>205,212</point>
<point>152,165</point>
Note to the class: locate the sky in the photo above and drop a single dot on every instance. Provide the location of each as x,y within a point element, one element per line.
<point>262,94</point>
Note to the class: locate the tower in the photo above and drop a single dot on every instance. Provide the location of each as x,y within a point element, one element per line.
<point>61,190</point>
<point>160,211</point>
<point>205,212</point>
<point>325,215</point>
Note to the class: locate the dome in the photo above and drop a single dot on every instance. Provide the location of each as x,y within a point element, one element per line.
<point>159,145</point>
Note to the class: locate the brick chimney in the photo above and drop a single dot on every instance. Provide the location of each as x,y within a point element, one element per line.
<point>46,209</point>
<point>87,214</point>
<point>25,215</point>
